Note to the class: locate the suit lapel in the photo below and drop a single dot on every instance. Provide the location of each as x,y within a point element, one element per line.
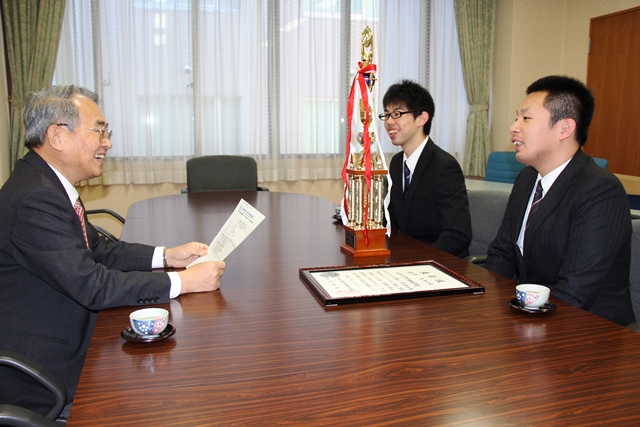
<point>423,162</point>
<point>522,192</point>
<point>37,162</point>
<point>549,203</point>
<point>396,176</point>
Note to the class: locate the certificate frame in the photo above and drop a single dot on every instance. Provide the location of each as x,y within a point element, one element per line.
<point>312,278</point>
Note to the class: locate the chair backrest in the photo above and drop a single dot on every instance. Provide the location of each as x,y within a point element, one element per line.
<point>13,415</point>
<point>634,272</point>
<point>221,173</point>
<point>487,208</point>
<point>502,166</point>
<point>601,162</point>
<point>634,201</point>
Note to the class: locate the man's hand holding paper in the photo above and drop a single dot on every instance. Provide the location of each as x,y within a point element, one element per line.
<point>241,223</point>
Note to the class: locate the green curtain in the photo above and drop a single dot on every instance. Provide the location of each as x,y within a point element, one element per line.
<point>32,33</point>
<point>475,23</point>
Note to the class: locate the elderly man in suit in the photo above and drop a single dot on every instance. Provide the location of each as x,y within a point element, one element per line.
<point>567,224</point>
<point>428,196</point>
<point>56,272</point>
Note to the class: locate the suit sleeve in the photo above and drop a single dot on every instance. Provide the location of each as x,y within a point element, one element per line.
<point>501,257</point>
<point>393,219</point>
<point>598,241</point>
<point>453,207</point>
<point>48,242</point>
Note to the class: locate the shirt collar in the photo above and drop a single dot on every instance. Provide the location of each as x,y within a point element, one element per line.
<point>72,193</point>
<point>550,178</point>
<point>412,160</point>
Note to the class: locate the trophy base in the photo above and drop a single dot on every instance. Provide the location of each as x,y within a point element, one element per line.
<point>356,244</point>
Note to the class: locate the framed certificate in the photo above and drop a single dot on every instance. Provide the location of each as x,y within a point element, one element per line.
<point>365,283</point>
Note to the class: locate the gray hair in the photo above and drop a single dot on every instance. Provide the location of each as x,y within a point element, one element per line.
<point>51,105</point>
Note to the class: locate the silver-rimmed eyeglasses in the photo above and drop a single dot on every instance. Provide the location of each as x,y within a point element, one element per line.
<point>394,115</point>
<point>103,131</point>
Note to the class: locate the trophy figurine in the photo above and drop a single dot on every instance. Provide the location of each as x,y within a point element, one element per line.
<point>365,170</point>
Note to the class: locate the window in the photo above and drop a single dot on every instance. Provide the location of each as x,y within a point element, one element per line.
<point>266,78</point>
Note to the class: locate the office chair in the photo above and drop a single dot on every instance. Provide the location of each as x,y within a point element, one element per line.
<point>13,415</point>
<point>634,201</point>
<point>502,166</point>
<point>103,231</point>
<point>222,173</point>
<point>601,162</point>
<point>487,209</point>
<point>634,273</point>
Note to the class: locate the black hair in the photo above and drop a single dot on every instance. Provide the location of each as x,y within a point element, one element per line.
<point>414,97</point>
<point>567,98</point>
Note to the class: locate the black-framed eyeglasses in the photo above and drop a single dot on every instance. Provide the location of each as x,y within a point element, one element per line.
<point>103,131</point>
<point>394,115</point>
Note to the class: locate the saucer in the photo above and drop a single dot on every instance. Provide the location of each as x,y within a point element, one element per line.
<point>548,307</point>
<point>129,335</point>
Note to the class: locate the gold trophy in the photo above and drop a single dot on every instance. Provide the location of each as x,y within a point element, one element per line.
<point>365,171</point>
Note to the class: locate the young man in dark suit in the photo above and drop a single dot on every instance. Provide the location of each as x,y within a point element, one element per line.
<point>428,196</point>
<point>56,272</point>
<point>574,235</point>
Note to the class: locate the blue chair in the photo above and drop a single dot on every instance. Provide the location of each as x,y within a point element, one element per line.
<point>502,166</point>
<point>634,201</point>
<point>601,162</point>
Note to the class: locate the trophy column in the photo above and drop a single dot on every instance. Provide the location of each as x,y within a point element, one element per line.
<point>366,174</point>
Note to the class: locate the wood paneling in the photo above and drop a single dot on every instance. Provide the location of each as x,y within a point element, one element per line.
<point>263,351</point>
<point>613,75</point>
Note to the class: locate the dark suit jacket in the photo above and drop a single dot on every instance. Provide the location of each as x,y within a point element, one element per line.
<point>577,243</point>
<point>435,209</point>
<point>51,286</point>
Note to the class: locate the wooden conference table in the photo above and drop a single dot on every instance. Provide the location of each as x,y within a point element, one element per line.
<point>263,351</point>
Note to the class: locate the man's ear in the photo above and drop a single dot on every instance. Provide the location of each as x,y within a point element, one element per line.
<point>55,137</point>
<point>567,128</point>
<point>422,118</point>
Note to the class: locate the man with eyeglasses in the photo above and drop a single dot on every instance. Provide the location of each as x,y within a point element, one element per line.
<point>56,271</point>
<point>428,196</point>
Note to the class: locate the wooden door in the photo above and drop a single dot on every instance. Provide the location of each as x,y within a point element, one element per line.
<point>613,75</point>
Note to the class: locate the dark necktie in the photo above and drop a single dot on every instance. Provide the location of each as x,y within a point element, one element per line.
<point>407,178</point>
<point>80,212</point>
<point>534,204</point>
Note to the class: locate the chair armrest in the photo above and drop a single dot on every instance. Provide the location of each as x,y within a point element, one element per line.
<point>262,188</point>
<point>39,373</point>
<point>635,326</point>
<point>476,259</point>
<point>106,211</point>
<point>11,415</point>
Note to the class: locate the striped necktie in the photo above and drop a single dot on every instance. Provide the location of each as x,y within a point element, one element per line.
<point>407,178</point>
<point>534,204</point>
<point>80,212</point>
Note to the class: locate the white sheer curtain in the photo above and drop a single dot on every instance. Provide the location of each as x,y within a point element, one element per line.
<point>265,78</point>
<point>446,83</point>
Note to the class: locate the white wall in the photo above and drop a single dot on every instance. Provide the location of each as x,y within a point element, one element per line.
<point>534,39</point>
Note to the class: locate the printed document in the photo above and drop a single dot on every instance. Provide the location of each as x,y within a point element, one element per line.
<point>244,219</point>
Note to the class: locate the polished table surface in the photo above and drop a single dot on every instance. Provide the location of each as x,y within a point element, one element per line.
<point>263,351</point>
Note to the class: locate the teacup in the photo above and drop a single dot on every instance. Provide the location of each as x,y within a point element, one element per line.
<point>532,296</point>
<point>149,321</point>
